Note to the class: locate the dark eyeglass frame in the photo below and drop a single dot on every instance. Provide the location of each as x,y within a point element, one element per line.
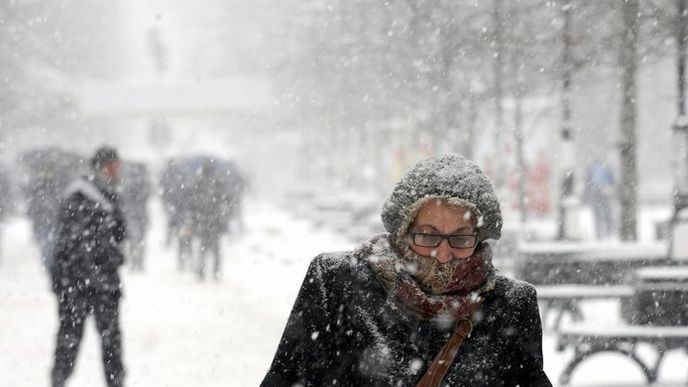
<point>415,235</point>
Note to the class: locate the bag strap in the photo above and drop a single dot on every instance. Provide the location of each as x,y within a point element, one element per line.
<point>445,358</point>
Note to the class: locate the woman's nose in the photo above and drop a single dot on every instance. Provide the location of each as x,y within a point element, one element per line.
<point>443,253</point>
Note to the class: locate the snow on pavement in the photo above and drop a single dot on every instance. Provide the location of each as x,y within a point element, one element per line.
<point>176,330</point>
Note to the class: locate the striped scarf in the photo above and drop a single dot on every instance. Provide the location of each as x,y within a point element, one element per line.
<point>425,288</point>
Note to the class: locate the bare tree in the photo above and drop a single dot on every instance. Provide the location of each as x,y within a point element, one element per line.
<point>628,63</point>
<point>681,123</point>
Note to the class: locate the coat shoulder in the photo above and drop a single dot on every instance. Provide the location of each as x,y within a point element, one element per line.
<point>514,290</point>
<point>75,203</point>
<point>342,263</point>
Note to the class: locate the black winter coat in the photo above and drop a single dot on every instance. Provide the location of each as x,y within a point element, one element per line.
<point>89,230</point>
<point>343,331</point>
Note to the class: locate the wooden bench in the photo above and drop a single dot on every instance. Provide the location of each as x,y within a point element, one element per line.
<point>588,340</point>
<point>601,263</point>
<point>564,299</point>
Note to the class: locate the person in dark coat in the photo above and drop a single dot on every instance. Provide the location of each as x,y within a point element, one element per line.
<point>209,206</point>
<point>237,186</point>
<point>49,172</point>
<point>176,189</point>
<point>85,275</point>
<point>42,201</point>
<point>170,182</point>
<point>419,305</point>
<point>135,189</point>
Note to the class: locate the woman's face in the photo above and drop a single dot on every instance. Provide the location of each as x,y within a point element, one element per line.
<point>439,218</point>
<point>111,171</point>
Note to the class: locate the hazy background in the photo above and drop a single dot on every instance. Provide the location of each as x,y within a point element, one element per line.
<point>322,91</point>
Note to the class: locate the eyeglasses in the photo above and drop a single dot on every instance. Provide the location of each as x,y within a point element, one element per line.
<point>433,240</point>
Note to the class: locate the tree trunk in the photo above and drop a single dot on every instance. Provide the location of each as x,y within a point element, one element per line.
<point>627,145</point>
<point>469,137</point>
<point>520,159</point>
<point>565,170</point>
<point>681,37</point>
<point>681,124</point>
<point>498,47</point>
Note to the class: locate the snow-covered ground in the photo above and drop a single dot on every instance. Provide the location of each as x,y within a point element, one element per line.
<point>179,332</point>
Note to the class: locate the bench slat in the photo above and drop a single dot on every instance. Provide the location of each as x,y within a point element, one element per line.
<point>583,291</point>
<point>620,331</point>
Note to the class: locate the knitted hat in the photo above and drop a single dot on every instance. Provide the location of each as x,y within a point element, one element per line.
<point>445,176</point>
<point>103,156</point>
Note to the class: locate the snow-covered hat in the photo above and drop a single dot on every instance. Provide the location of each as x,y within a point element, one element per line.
<point>448,176</point>
<point>104,155</point>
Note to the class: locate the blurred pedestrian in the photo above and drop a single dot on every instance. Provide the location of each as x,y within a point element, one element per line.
<point>85,278</point>
<point>237,186</point>
<point>135,191</point>
<point>599,194</point>
<point>421,304</point>
<point>49,171</point>
<point>170,182</point>
<point>43,196</point>
<point>176,185</point>
<point>5,202</point>
<point>209,205</point>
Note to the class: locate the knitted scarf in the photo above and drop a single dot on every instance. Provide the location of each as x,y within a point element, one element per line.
<point>425,288</point>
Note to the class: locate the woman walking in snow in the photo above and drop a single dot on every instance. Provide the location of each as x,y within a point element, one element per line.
<point>421,304</point>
